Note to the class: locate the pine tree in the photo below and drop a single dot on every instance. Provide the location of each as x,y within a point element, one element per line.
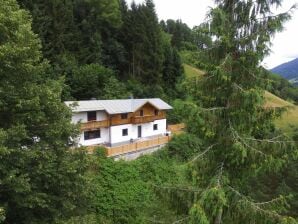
<point>41,181</point>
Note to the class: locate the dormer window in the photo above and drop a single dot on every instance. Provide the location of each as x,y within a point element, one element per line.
<point>91,115</point>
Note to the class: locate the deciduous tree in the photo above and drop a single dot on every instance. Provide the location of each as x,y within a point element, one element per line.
<point>41,181</point>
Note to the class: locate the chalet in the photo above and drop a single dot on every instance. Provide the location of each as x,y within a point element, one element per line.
<point>122,126</point>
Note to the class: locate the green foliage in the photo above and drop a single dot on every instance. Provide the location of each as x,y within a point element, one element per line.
<point>41,180</point>
<point>213,201</point>
<point>118,192</point>
<point>95,81</point>
<point>283,88</point>
<point>172,72</point>
<point>182,35</point>
<point>75,27</point>
<point>184,146</point>
<point>159,168</point>
<point>124,192</point>
<point>227,113</point>
<point>79,33</point>
<point>197,215</point>
<point>141,36</point>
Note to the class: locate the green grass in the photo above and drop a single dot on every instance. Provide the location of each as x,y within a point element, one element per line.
<point>289,120</point>
<point>275,101</point>
<point>191,72</point>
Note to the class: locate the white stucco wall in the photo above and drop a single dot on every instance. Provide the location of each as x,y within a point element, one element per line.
<point>77,117</point>
<point>82,116</point>
<point>116,133</point>
<point>147,131</point>
<point>147,128</point>
<point>104,138</point>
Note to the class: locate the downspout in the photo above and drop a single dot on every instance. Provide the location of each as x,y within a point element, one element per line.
<point>110,132</point>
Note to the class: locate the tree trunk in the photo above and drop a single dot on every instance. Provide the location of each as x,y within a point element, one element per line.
<point>218,217</point>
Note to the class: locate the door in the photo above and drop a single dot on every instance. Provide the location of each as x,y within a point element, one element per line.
<point>139,131</point>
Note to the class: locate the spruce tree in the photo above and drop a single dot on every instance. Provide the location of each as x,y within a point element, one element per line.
<point>40,180</point>
<point>242,146</point>
<point>241,142</point>
<point>141,36</point>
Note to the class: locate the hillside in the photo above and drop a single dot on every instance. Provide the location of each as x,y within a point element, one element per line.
<point>274,101</point>
<point>191,71</point>
<point>288,70</point>
<point>289,120</point>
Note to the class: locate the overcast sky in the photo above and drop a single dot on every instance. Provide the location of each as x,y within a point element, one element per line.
<point>193,12</point>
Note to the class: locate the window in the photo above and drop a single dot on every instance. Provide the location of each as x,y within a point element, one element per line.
<point>155,127</point>
<point>91,134</point>
<point>124,116</point>
<point>124,132</point>
<point>91,116</point>
<point>141,113</point>
<point>156,112</point>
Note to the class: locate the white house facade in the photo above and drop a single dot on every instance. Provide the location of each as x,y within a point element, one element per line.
<point>113,123</point>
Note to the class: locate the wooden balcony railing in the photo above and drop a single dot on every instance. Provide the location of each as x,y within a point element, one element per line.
<point>106,123</point>
<point>94,125</point>
<point>146,119</point>
<point>176,128</point>
<point>136,146</point>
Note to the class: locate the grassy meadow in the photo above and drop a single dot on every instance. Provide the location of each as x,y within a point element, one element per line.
<point>288,121</point>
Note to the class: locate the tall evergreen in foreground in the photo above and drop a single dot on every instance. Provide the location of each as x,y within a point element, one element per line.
<point>241,144</point>
<point>40,180</point>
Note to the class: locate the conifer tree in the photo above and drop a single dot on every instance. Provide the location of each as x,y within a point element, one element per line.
<point>238,130</point>
<point>141,36</point>
<point>230,116</point>
<point>40,180</point>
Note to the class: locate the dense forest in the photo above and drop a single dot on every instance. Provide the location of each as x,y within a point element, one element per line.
<point>230,165</point>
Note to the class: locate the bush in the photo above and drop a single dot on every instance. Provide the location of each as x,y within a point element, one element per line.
<point>184,146</point>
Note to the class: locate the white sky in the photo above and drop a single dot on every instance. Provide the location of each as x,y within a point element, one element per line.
<point>193,12</point>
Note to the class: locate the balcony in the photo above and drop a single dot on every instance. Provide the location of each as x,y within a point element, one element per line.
<point>94,125</point>
<point>137,146</point>
<point>146,119</point>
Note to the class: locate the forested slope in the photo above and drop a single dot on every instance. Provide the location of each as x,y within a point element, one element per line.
<point>230,165</point>
<point>105,49</point>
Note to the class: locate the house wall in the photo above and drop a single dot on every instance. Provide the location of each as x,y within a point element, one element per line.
<point>116,133</point>
<point>82,116</point>
<point>147,128</point>
<point>147,131</point>
<point>104,138</point>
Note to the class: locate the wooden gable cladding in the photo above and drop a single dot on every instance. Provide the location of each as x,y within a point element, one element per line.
<point>116,119</point>
<point>147,113</point>
<point>148,110</point>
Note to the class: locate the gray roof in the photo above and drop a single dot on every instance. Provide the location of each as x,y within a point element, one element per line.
<point>116,106</point>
